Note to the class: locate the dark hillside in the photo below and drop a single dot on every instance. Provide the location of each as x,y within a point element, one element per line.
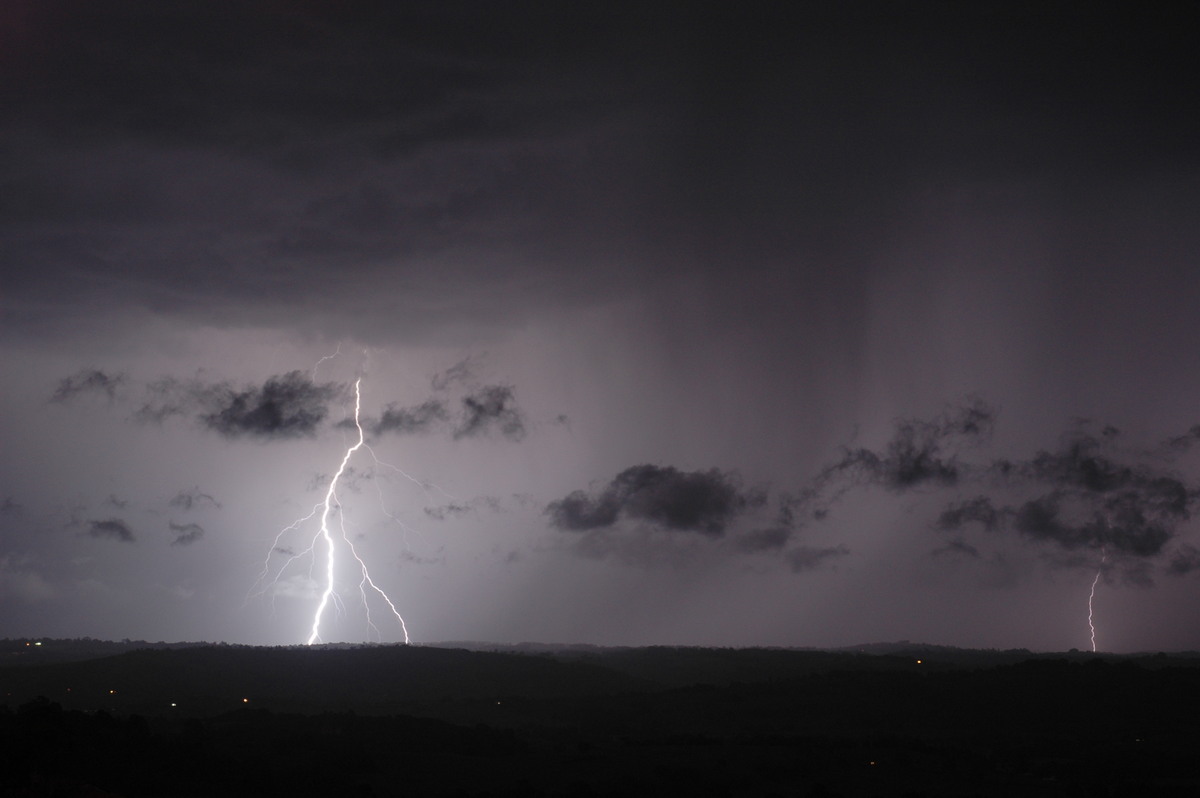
<point>376,679</point>
<point>395,720</point>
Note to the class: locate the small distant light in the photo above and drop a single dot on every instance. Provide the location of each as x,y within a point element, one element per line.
<point>112,692</point>
<point>38,643</point>
<point>497,703</point>
<point>918,662</point>
<point>174,704</point>
<point>245,700</point>
<point>871,763</point>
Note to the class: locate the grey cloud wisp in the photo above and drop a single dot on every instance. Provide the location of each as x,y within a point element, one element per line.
<point>88,381</point>
<point>484,411</point>
<point>194,498</point>
<point>185,534</point>
<point>112,528</point>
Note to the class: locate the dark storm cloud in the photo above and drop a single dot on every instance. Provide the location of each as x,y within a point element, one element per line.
<point>703,502</point>
<point>185,534</point>
<point>113,528</point>
<point>775,537</point>
<point>412,558</point>
<point>351,480</point>
<point>1184,560</point>
<point>1088,496</point>
<point>483,410</point>
<point>462,371</point>
<point>770,539</point>
<point>922,453</point>
<point>257,146</point>
<point>491,408</point>
<point>1090,493</point>
<point>397,134</point>
<point>957,546</point>
<point>88,381</point>
<point>169,397</point>
<point>444,511</point>
<point>287,406</point>
<point>1184,442</point>
<point>809,558</point>
<point>1045,519</point>
<point>1085,464</point>
<point>978,510</point>
<point>188,499</point>
<point>419,419</point>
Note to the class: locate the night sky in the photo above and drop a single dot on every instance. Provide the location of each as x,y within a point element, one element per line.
<point>870,322</point>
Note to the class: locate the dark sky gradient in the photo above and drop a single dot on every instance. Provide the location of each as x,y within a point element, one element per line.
<point>811,326</point>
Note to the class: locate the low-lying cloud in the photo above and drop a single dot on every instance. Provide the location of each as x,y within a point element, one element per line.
<point>112,529</point>
<point>702,502</point>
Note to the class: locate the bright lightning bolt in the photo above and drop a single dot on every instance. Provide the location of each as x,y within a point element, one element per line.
<point>1092,597</point>
<point>324,542</point>
<point>326,509</point>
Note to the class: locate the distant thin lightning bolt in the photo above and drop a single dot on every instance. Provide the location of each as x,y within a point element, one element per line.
<point>1092,597</point>
<point>337,352</point>
<point>330,499</point>
<point>276,548</point>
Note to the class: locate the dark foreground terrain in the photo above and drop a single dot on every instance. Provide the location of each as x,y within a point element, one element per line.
<point>84,718</point>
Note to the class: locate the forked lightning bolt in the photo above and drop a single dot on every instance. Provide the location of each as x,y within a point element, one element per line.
<point>325,510</point>
<point>330,499</point>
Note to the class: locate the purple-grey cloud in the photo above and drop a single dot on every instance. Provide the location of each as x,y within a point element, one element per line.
<point>192,498</point>
<point>113,528</point>
<point>291,405</point>
<point>704,502</point>
<point>185,534</point>
<point>491,408</point>
<point>418,419</point>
